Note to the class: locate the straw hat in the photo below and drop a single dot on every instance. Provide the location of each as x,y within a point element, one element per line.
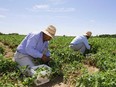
<point>50,31</point>
<point>88,33</point>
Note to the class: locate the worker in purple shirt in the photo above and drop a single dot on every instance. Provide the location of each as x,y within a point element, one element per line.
<point>34,45</point>
<point>80,43</point>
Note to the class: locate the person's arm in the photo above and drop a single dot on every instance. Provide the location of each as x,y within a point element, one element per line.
<point>47,50</point>
<point>86,43</point>
<point>46,54</point>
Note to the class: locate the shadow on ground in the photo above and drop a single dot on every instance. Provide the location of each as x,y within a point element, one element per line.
<point>56,81</point>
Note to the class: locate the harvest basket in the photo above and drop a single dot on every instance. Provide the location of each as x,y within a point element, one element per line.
<point>41,73</point>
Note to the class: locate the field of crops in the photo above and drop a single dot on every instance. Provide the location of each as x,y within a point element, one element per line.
<point>72,65</point>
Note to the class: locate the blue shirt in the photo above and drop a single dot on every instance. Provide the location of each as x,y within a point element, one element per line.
<point>34,46</point>
<point>81,39</point>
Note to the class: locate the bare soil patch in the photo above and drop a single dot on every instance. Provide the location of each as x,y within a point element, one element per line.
<point>8,53</point>
<point>91,69</point>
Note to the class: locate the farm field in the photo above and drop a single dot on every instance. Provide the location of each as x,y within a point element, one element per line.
<point>97,69</point>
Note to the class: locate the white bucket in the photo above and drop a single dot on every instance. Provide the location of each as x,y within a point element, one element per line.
<point>43,75</point>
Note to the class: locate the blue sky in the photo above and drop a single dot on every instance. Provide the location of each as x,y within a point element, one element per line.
<point>70,17</point>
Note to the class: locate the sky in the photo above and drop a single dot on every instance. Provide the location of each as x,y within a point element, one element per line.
<point>70,17</point>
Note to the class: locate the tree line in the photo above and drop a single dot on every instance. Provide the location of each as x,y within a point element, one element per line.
<point>102,35</point>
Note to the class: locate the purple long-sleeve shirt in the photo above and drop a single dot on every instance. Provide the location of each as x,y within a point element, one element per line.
<point>34,46</point>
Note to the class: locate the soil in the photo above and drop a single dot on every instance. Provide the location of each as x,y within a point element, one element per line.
<point>91,69</point>
<point>8,52</point>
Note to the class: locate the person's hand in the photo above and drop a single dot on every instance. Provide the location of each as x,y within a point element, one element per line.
<point>90,46</point>
<point>45,58</point>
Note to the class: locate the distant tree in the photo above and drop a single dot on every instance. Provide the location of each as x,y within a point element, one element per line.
<point>13,34</point>
<point>1,33</point>
<point>108,35</point>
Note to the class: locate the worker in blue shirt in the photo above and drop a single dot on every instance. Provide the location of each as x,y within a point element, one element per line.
<point>34,45</point>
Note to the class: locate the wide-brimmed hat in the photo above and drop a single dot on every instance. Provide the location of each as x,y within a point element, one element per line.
<point>88,33</point>
<point>50,31</point>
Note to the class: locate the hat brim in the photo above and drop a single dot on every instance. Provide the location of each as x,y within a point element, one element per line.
<point>47,33</point>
